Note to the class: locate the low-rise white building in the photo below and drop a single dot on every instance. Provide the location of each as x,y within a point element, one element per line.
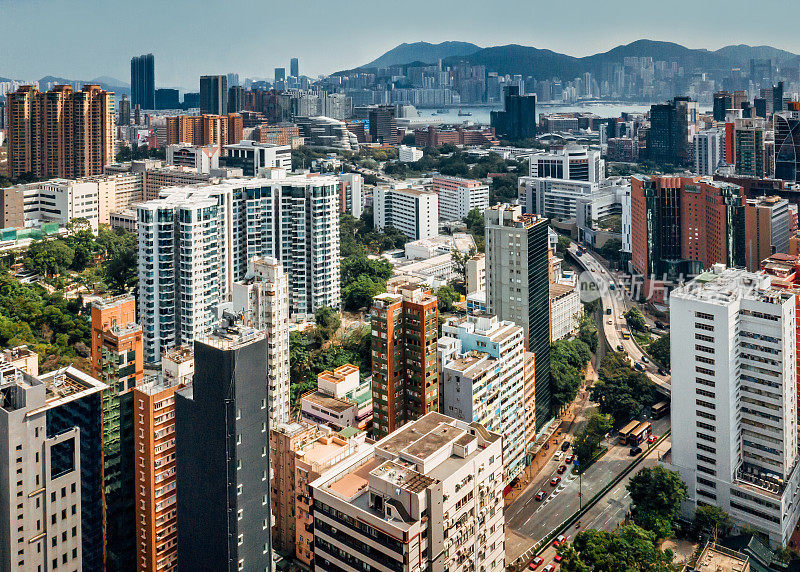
<point>408,154</point>
<point>411,210</point>
<point>458,196</point>
<point>202,158</point>
<point>565,309</point>
<point>734,399</point>
<point>441,244</point>
<point>476,274</point>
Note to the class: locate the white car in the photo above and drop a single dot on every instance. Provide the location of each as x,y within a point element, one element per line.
<point>558,455</point>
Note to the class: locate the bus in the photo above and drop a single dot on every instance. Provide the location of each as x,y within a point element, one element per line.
<point>640,433</point>
<point>626,431</point>
<point>660,409</point>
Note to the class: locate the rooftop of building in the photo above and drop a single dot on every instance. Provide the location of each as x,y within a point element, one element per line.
<point>326,450</point>
<point>155,384</point>
<point>557,289</point>
<point>716,558</point>
<point>69,384</point>
<point>328,402</point>
<point>179,354</point>
<point>231,334</point>
<point>724,285</point>
<point>472,364</point>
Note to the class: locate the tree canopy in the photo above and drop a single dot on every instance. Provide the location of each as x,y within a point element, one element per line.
<point>659,350</point>
<point>636,319</point>
<point>447,296</point>
<point>588,440</point>
<point>620,390</point>
<point>656,496</point>
<point>627,549</point>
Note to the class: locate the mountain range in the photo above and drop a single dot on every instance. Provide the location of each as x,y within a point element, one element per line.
<point>106,82</point>
<point>542,63</point>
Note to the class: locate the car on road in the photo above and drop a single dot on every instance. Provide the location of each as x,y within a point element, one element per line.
<point>561,469</point>
<point>549,568</point>
<point>568,459</point>
<point>609,321</point>
<point>661,371</point>
<point>540,495</point>
<point>639,367</point>
<point>535,563</point>
<point>651,439</point>
<point>560,539</point>
<point>660,325</point>
<point>565,445</point>
<point>645,359</point>
<point>626,336</point>
<point>558,455</point>
<point>635,451</point>
<point>608,311</point>
<point>557,557</point>
<point>554,481</point>
<point>620,348</point>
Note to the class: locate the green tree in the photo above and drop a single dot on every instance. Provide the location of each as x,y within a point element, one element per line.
<point>656,496</point>
<point>563,244</point>
<point>447,296</point>
<point>121,260</point>
<point>587,331</point>
<point>620,390</point>
<point>588,440</point>
<point>360,292</point>
<point>611,249</point>
<point>636,319</point>
<point>711,521</point>
<point>460,261</point>
<point>328,321</point>
<point>568,359</point>
<point>627,549</point>
<point>475,221</point>
<point>659,349</point>
<point>49,257</point>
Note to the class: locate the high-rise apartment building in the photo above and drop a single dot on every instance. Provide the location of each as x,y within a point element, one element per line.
<point>154,471</point>
<point>529,395</point>
<point>517,286</point>
<point>458,196</point>
<point>60,133</point>
<point>767,221</point>
<point>787,143</point>
<point>723,101</point>
<point>143,82</point>
<point>681,225</point>
<point>483,381</point>
<point>748,150</point>
<point>201,158</point>
<point>117,361</point>
<point>351,194</point>
<point>411,210</point>
<point>124,111</point>
<point>211,233</point>
<point>167,99</point>
<point>294,67</point>
<point>213,95</point>
<point>405,384</point>
<point>427,497</point>
<point>262,299</point>
<point>518,119</point>
<point>709,150</point>
<point>737,338</point>
<point>219,130</point>
<point>222,452</point>
<point>41,500</point>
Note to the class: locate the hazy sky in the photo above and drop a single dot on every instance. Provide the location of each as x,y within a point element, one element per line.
<point>83,39</point>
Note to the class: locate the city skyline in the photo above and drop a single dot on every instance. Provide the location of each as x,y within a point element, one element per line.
<point>181,58</point>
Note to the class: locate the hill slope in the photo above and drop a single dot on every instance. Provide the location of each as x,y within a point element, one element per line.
<point>422,52</point>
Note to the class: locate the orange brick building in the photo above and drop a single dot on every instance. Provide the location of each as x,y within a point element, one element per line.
<point>201,130</point>
<point>60,133</point>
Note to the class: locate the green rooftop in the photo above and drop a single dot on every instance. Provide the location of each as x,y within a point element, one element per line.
<point>706,277</point>
<point>348,432</point>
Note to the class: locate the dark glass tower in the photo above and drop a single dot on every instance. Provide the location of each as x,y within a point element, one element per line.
<point>787,144</point>
<point>143,82</point>
<point>518,120</point>
<point>214,94</point>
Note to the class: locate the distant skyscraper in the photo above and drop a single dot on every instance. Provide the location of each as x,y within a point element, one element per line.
<point>214,94</point>
<point>749,136</point>
<point>280,74</point>
<point>383,124</point>
<point>235,99</point>
<point>723,101</point>
<point>761,71</point>
<point>167,99</point>
<point>518,287</point>
<point>518,119</point>
<point>294,67</point>
<point>233,80</point>
<point>143,83</point>
<point>787,143</point>
<point>222,445</point>
<point>61,133</point>
<point>668,138</point>
<point>124,115</point>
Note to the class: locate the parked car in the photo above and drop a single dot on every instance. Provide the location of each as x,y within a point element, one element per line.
<point>540,495</point>
<point>535,563</point>
<point>638,366</point>
<point>635,451</point>
<point>660,325</point>
<point>651,439</point>
<point>562,469</point>
<point>558,455</point>
<point>560,539</point>
<point>557,557</point>
<point>608,311</point>
<point>549,568</point>
<point>554,481</point>
<point>565,445</point>
<point>620,348</point>
<point>568,459</point>
<point>609,321</point>
<point>645,359</point>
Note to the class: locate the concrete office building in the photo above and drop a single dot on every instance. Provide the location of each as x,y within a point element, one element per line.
<point>213,94</point>
<point>214,231</point>
<point>254,158</point>
<point>408,154</point>
<point>202,158</point>
<point>60,133</point>
<point>734,399</point>
<point>412,211</point>
<point>573,162</point>
<point>262,299</point>
<point>222,452</point>
<point>708,150</point>
<point>517,120</point>
<point>352,198</point>
<point>457,196</point>
<point>476,274</point>
<point>427,497</point>
<point>565,309</point>
<point>405,383</point>
<point>749,138</point>
<point>383,124</point>
<point>143,82</point>
<point>40,497</point>
<point>517,286</point>
<point>483,381</point>
<point>553,198</point>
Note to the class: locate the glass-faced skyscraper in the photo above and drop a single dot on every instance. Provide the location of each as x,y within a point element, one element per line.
<point>143,82</point>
